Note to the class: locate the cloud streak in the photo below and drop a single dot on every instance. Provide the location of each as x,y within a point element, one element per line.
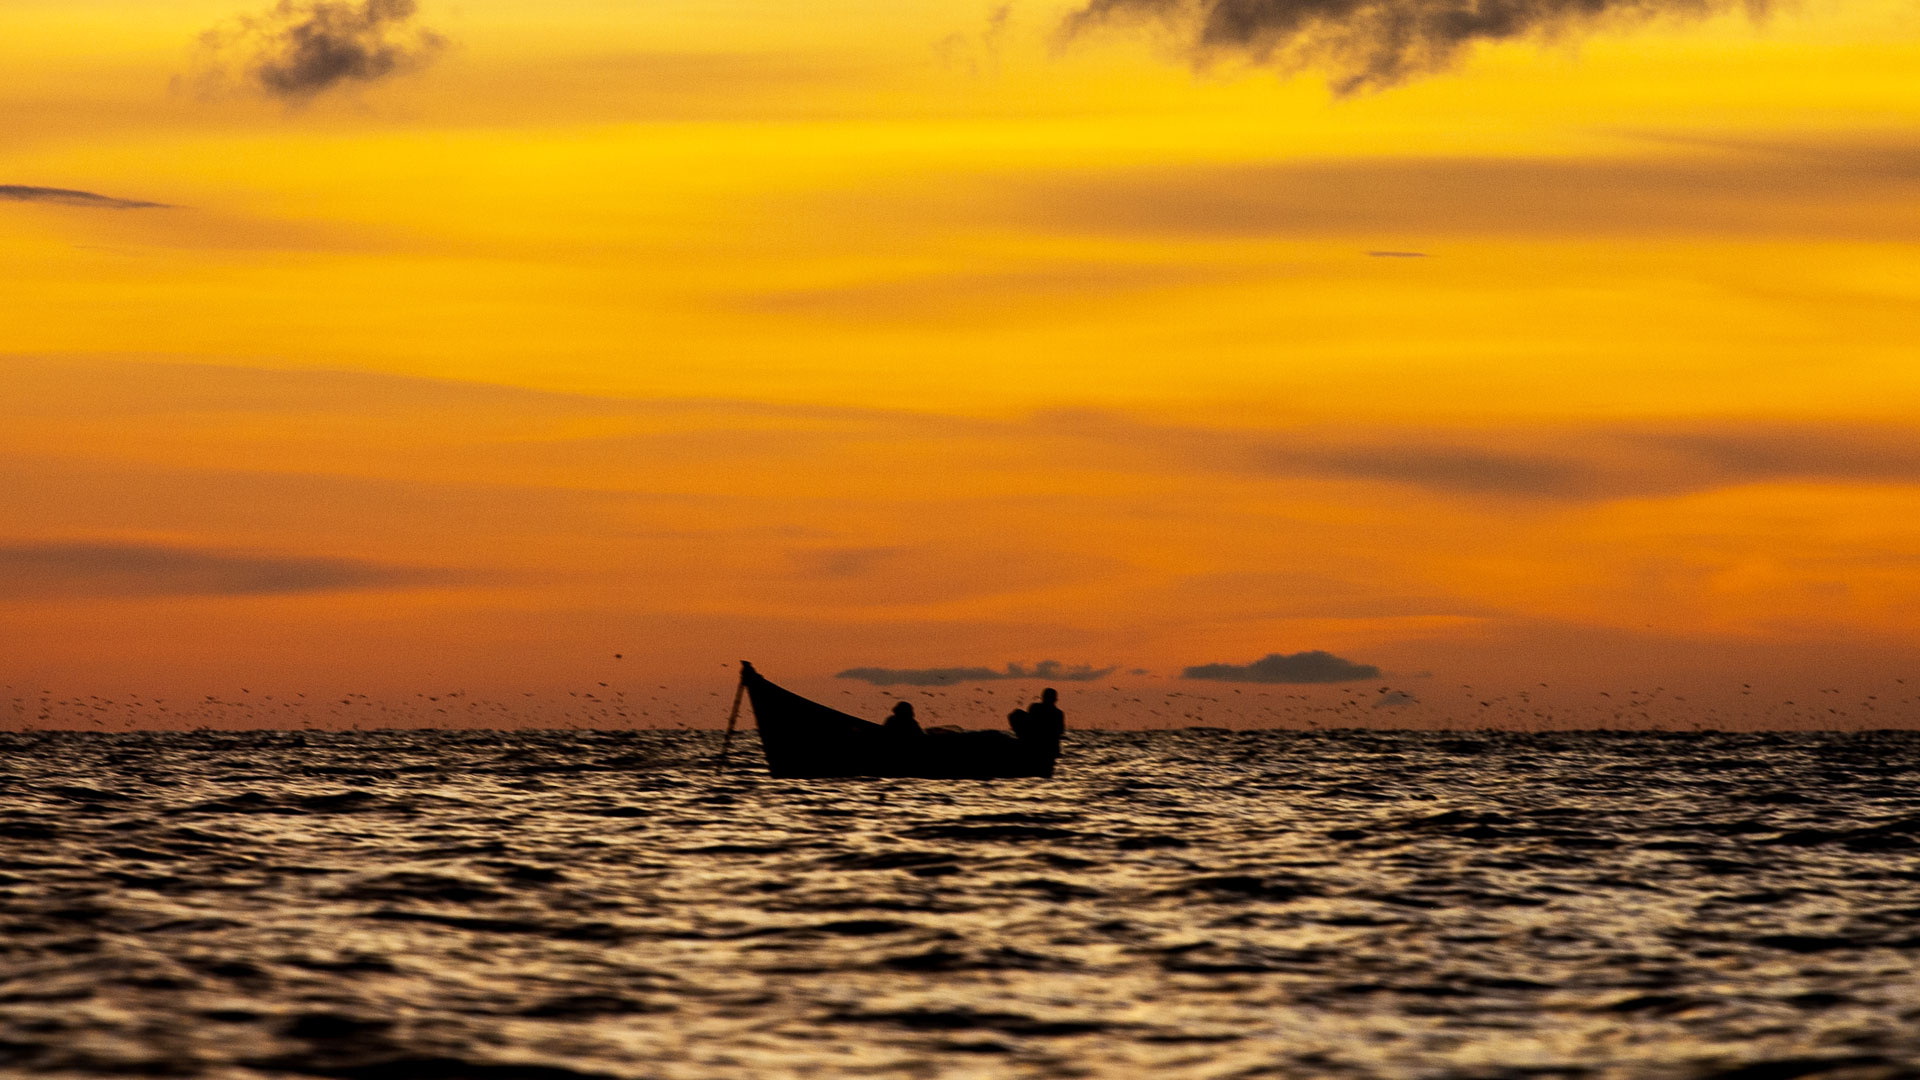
<point>300,49</point>
<point>115,570</point>
<point>1560,465</point>
<point>72,197</point>
<point>1046,670</point>
<point>1316,666</point>
<point>1369,44</point>
<point>1831,188</point>
<point>971,296</point>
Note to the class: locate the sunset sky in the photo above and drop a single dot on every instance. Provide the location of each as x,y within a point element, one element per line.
<point>497,338</point>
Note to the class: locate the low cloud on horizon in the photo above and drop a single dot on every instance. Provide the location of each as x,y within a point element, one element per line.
<point>61,570</point>
<point>1316,666</point>
<point>1048,670</point>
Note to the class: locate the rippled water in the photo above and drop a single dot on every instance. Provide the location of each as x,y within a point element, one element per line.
<point>1176,904</point>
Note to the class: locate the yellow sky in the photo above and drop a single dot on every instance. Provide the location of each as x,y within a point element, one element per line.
<point>917,335</point>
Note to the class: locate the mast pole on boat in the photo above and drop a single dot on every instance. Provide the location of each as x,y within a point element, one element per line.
<point>726,744</point>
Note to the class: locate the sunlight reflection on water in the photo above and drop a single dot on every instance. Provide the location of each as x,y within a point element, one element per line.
<point>1185,904</point>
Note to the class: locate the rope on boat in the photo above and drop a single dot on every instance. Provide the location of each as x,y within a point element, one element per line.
<point>732,717</point>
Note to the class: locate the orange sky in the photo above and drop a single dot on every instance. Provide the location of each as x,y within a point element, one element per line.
<point>920,335</point>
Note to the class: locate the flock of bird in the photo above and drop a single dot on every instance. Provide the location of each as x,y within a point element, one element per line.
<point>610,704</point>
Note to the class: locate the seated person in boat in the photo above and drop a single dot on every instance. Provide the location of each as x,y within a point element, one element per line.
<point>1041,721</point>
<point>901,724</point>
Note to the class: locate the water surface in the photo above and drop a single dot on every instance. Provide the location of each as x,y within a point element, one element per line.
<point>1176,904</point>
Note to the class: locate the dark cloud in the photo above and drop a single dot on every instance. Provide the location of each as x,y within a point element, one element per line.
<point>1303,667</point>
<point>302,48</point>
<point>61,570</point>
<point>1369,44</point>
<point>974,296</point>
<point>1573,464</point>
<point>1863,188</point>
<point>972,52</point>
<point>1046,670</point>
<point>843,562</point>
<point>70,197</point>
<point>1451,463</point>
<point>1469,470</point>
<point>1764,452</point>
<point>1620,462</point>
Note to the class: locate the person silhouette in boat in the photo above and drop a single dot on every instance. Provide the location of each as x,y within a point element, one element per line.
<point>901,724</point>
<point>1042,721</point>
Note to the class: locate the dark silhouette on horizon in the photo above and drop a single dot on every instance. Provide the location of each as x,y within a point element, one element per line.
<point>901,723</point>
<point>1041,724</point>
<point>805,739</point>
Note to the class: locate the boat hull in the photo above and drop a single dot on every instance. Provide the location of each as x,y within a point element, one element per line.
<point>804,739</point>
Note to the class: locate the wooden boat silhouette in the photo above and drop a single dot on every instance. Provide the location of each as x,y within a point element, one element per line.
<point>804,739</point>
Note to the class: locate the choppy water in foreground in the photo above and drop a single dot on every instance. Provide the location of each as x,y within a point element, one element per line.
<point>1176,904</point>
